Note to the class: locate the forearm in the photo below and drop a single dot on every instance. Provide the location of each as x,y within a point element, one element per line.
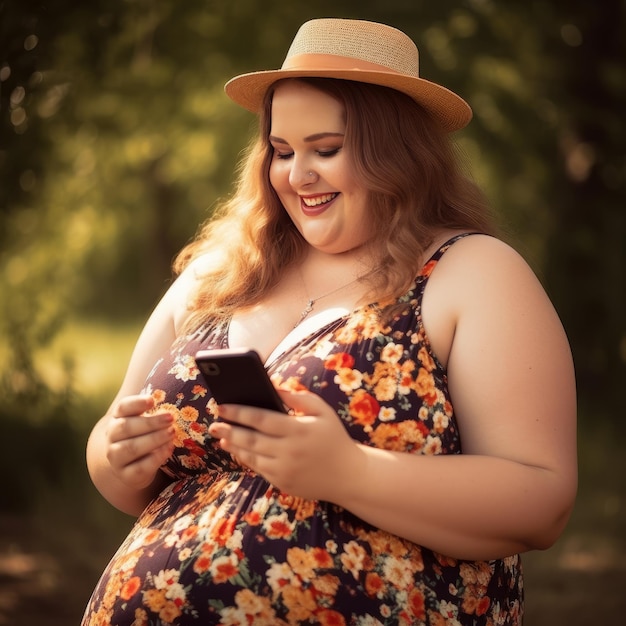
<point>118,493</point>
<point>464,506</point>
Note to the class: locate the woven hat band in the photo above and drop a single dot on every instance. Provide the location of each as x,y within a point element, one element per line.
<point>323,62</point>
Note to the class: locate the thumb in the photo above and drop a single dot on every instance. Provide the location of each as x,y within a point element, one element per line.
<point>303,402</point>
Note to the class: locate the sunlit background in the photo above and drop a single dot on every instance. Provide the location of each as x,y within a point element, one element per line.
<point>116,140</point>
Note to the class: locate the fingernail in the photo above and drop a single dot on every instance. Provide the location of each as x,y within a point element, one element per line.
<point>216,430</point>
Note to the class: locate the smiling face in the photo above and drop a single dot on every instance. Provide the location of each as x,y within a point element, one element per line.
<point>311,171</point>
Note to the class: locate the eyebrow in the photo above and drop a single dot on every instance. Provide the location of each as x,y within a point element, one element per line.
<point>310,138</point>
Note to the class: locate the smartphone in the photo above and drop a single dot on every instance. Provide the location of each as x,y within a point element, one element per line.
<point>238,376</point>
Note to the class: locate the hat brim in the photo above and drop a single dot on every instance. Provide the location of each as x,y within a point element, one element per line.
<point>446,107</point>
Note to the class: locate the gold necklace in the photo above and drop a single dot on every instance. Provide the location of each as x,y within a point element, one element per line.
<point>311,302</point>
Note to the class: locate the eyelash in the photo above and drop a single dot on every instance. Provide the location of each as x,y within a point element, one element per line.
<point>322,153</point>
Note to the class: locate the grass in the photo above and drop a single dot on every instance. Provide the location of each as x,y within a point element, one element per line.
<point>51,557</point>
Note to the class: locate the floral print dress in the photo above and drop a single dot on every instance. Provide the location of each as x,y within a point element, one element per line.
<point>220,545</point>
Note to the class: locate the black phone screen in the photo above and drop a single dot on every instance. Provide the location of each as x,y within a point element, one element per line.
<point>238,376</point>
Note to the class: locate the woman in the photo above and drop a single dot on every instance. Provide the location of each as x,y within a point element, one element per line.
<point>432,429</point>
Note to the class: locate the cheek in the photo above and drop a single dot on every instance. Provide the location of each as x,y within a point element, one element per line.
<point>279,176</point>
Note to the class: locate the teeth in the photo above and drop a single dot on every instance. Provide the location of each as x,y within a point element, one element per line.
<point>319,200</point>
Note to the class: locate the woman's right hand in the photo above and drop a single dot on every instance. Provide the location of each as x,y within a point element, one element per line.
<point>138,440</point>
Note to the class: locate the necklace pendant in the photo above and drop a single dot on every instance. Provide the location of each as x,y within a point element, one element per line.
<point>306,311</point>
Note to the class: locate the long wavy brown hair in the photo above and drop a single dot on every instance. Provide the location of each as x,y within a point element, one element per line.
<point>415,187</point>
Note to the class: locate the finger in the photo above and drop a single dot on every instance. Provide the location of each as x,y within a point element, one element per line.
<point>303,402</point>
<point>143,470</point>
<point>133,405</point>
<point>272,423</point>
<point>121,428</point>
<point>130,450</point>
<point>237,440</point>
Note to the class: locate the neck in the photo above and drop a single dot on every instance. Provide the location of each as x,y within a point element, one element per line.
<point>352,263</point>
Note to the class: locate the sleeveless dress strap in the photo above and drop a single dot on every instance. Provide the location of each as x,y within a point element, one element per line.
<point>429,266</point>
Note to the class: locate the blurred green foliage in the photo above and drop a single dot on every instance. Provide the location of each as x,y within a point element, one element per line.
<point>116,140</point>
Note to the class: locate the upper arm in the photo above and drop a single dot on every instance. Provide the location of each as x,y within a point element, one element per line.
<point>510,367</point>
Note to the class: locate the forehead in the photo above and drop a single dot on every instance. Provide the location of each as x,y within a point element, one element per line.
<point>296,104</point>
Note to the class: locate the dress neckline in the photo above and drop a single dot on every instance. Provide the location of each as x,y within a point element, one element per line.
<point>292,339</point>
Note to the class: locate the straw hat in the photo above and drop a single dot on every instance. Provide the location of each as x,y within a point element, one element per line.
<point>357,50</point>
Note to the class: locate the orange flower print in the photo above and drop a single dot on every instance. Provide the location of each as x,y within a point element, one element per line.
<point>322,559</point>
<point>475,573</point>
<point>385,389</point>
<point>374,585</point>
<point>417,604</point>
<point>202,564</point>
<point>328,617</point>
<point>198,431</point>
<point>189,413</point>
<point>141,618</point>
<point>198,391</point>
<point>167,407</point>
<point>224,567</point>
<point>279,576</point>
<point>189,533</point>
<point>353,558</point>
<point>440,421</point>
<point>158,396</point>
<point>404,436</point>
<point>130,588</point>
<point>391,353</point>
<point>154,599</point>
<point>250,602</point>
<point>302,563</point>
<point>425,359</point>
<point>387,414</point>
<point>170,612</point>
<point>428,268</point>
<point>191,462</point>
<point>300,604</point>
<point>250,609</point>
<point>338,361</point>
<point>363,408</point>
<point>326,585</point>
<point>425,387</point>
<point>405,383</point>
<point>483,605</point>
<point>331,546</point>
<point>303,508</point>
<point>252,518</point>
<point>362,325</point>
<point>184,368</point>
<point>348,380</point>
<point>433,445</point>
<point>278,527</point>
<point>194,448</point>
<point>381,370</point>
<point>398,573</point>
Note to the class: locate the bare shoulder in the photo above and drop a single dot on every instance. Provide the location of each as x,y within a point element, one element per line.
<point>185,287</point>
<point>488,274</point>
<point>479,279</point>
<point>491,291</point>
<point>488,258</point>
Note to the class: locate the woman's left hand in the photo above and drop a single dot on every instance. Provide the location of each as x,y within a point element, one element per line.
<point>308,454</point>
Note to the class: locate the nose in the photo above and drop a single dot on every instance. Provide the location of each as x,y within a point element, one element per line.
<point>301,175</point>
